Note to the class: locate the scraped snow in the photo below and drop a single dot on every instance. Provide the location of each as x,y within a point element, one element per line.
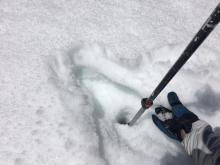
<point>71,69</point>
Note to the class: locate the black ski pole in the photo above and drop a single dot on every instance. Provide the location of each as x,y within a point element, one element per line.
<point>205,30</point>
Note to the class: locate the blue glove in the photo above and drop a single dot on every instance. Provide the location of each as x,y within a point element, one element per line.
<point>171,122</point>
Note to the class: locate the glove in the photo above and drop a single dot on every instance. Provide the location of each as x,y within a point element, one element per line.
<point>171,122</point>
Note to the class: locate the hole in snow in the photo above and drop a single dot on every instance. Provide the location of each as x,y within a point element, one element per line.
<point>122,117</point>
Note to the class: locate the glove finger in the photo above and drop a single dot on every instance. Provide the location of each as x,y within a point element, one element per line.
<point>178,108</point>
<point>162,126</point>
<point>173,99</point>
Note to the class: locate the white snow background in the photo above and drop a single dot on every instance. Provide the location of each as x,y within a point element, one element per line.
<point>70,68</point>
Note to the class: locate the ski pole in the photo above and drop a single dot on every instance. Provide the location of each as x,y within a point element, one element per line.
<point>197,40</point>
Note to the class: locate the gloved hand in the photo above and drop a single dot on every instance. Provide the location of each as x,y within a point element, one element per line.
<point>171,122</point>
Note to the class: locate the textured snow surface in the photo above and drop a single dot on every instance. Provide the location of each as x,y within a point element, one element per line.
<point>69,69</point>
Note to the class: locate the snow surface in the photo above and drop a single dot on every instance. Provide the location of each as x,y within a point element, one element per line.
<point>70,69</point>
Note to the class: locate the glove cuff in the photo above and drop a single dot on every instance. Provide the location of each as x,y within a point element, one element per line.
<point>194,139</point>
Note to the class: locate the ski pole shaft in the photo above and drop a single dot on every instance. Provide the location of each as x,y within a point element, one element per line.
<point>197,40</point>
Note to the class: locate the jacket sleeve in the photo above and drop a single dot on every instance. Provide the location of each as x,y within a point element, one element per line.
<point>202,144</point>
